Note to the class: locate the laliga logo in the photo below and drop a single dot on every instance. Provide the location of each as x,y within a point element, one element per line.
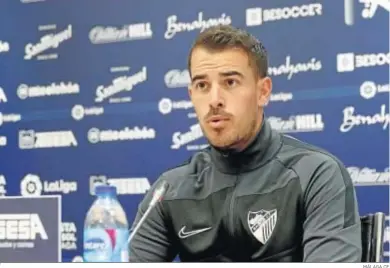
<point>31,185</point>
<point>369,89</point>
<point>79,112</point>
<point>165,105</point>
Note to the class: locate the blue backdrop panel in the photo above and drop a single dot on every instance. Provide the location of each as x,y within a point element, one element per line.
<point>95,91</point>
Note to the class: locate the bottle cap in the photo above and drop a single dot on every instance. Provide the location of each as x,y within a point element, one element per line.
<point>105,190</point>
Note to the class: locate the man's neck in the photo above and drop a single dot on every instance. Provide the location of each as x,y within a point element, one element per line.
<point>256,151</point>
<point>243,144</point>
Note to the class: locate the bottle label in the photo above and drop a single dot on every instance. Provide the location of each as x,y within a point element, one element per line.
<point>106,245</point>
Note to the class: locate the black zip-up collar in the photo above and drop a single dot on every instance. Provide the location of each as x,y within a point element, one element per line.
<point>266,144</point>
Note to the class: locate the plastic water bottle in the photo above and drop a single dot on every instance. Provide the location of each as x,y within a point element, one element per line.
<point>106,229</point>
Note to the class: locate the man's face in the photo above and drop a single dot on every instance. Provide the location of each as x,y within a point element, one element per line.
<point>227,96</point>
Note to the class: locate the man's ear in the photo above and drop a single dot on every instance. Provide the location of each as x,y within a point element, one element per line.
<point>264,87</point>
<point>189,91</point>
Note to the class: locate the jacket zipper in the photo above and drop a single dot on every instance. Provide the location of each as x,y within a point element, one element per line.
<point>231,208</point>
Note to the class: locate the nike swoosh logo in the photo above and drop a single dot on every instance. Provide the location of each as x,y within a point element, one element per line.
<point>183,234</point>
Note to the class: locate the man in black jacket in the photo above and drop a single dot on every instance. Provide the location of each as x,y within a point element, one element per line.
<point>254,194</point>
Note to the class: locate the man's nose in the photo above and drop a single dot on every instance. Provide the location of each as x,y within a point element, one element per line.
<point>216,97</point>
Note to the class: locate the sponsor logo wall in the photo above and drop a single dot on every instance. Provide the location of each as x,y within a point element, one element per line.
<point>86,101</point>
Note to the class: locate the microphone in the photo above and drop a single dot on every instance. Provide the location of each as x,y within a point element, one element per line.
<point>157,197</point>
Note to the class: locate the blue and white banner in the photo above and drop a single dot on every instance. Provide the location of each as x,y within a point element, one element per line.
<point>96,91</point>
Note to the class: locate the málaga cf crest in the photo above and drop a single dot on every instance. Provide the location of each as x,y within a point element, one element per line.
<point>262,223</point>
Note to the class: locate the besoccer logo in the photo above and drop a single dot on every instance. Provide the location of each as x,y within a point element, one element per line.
<point>31,185</point>
<point>345,62</point>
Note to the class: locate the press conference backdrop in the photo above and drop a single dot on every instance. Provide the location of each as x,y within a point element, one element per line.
<point>95,91</point>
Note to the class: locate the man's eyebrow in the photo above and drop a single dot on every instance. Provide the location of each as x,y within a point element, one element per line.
<point>225,74</point>
<point>198,77</point>
<point>231,73</point>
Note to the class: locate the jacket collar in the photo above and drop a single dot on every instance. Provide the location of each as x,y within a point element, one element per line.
<point>265,145</point>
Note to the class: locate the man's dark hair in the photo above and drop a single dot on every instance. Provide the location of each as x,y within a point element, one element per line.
<point>221,37</point>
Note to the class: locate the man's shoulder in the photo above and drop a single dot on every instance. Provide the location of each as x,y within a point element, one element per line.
<point>193,166</point>
<point>309,161</point>
<point>295,152</point>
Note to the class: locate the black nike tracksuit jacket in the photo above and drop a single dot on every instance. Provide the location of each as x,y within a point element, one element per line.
<point>280,200</point>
